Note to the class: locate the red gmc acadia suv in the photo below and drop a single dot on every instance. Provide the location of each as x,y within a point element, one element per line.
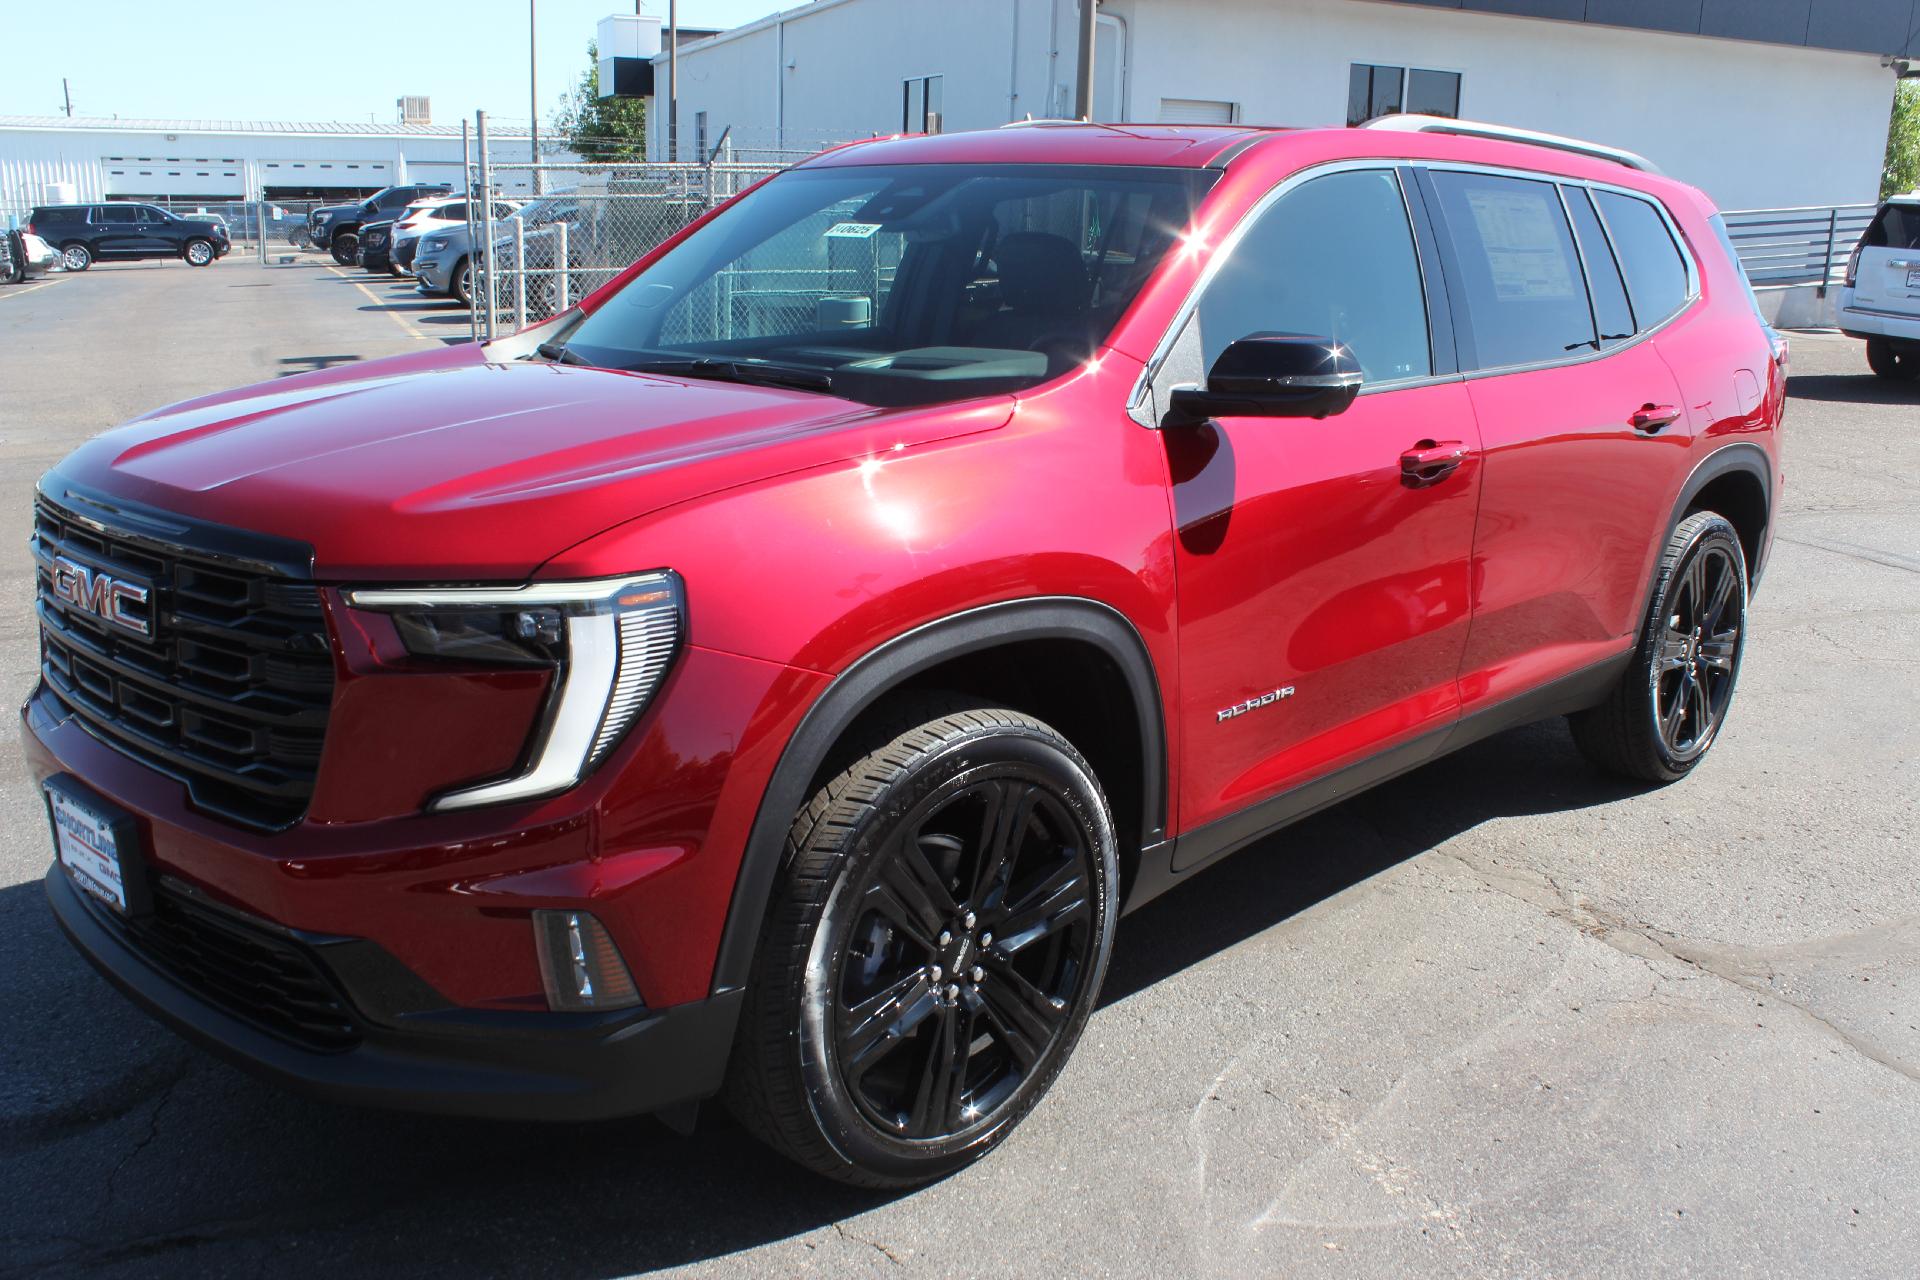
<point>773,675</point>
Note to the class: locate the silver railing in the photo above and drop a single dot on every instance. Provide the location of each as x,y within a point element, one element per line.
<point>1795,248</point>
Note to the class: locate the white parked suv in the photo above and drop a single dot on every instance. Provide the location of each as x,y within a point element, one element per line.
<point>1881,299</point>
<point>427,216</point>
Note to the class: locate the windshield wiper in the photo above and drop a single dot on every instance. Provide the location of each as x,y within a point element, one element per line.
<point>557,351</point>
<point>797,376</point>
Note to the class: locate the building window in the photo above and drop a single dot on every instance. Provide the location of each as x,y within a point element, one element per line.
<point>1197,111</point>
<point>1384,91</point>
<point>920,105</point>
<point>699,135</point>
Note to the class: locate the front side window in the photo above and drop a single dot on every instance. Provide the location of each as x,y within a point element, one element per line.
<point>1333,258</point>
<point>901,284</point>
<point>1526,299</point>
<point>1656,273</point>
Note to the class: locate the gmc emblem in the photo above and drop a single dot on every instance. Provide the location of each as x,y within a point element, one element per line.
<point>102,595</point>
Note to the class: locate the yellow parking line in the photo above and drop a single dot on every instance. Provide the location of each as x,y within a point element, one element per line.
<point>15,293</point>
<point>380,302</point>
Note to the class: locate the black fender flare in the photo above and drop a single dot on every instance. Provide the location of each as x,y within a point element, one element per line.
<point>870,677</point>
<point>1741,456</point>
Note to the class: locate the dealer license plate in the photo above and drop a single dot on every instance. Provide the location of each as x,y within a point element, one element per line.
<point>88,843</point>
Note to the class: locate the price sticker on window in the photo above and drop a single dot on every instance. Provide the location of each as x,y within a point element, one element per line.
<point>852,230</point>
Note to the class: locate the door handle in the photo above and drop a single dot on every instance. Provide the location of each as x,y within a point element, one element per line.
<point>1429,462</point>
<point>1649,418</point>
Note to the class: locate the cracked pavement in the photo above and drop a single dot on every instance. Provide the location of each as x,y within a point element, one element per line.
<point>1502,1017</point>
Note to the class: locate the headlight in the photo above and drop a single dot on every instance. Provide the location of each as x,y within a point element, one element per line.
<point>434,242</point>
<point>610,643</point>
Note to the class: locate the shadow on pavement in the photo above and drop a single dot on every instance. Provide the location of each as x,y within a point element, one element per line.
<point>308,364</point>
<point>153,1158</point>
<point>1862,388</point>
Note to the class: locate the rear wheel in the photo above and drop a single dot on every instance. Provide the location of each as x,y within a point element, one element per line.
<point>198,253</point>
<point>76,256</point>
<point>1670,705</point>
<point>935,946</point>
<point>1890,361</point>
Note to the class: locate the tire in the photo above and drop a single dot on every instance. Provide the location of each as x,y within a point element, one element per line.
<point>76,256</point>
<point>198,253</point>
<point>461,286</point>
<point>888,1037</point>
<point>13,266</point>
<point>1669,707</point>
<point>1890,362</point>
<point>344,246</point>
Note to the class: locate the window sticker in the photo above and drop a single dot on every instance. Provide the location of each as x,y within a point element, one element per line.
<point>852,230</point>
<point>1524,252</point>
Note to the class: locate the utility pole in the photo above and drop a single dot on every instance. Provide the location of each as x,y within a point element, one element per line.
<point>673,80</point>
<point>533,95</point>
<point>1083,89</point>
<point>67,93</point>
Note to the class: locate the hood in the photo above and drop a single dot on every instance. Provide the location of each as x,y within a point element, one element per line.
<point>477,471</point>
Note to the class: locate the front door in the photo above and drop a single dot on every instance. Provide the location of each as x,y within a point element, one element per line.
<point>1322,565</point>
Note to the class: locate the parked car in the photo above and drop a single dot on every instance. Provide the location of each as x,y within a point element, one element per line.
<point>443,263</point>
<point>376,246</point>
<point>1880,301</point>
<point>24,255</point>
<point>335,228</point>
<point>121,231</point>
<point>775,674</point>
<point>436,215</point>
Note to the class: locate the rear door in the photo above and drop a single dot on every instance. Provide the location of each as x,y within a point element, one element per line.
<point>1888,275</point>
<point>1322,589</point>
<point>1585,430</point>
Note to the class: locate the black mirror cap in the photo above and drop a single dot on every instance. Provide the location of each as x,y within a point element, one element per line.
<point>1273,375</point>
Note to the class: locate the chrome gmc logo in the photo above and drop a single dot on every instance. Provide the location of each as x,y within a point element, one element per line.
<point>102,595</point>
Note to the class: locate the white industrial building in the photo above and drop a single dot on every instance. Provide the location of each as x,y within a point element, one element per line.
<point>47,158</point>
<point>1764,103</point>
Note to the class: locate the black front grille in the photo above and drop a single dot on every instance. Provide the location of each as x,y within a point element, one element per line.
<point>244,966</point>
<point>231,692</point>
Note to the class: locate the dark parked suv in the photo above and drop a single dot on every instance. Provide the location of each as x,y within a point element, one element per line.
<point>336,227</point>
<point>117,231</point>
<point>774,674</point>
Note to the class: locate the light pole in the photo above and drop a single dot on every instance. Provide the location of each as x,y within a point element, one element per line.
<point>1083,86</point>
<point>673,80</point>
<point>533,94</point>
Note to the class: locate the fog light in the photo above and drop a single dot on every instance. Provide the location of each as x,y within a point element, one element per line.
<point>579,964</point>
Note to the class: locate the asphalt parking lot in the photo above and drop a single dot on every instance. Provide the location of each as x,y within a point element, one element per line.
<point>1502,1017</point>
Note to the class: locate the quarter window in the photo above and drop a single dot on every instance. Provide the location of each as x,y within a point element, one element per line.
<point>1525,297</point>
<point>1333,258</point>
<point>1656,273</point>
<point>1610,308</point>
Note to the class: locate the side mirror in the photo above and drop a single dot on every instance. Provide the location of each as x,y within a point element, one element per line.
<point>1272,375</point>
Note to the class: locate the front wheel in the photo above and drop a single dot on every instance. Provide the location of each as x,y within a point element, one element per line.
<point>934,948</point>
<point>198,253</point>
<point>76,257</point>
<point>345,245</point>
<point>1669,707</point>
<point>463,282</point>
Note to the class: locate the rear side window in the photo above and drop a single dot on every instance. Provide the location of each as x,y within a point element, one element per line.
<point>1897,226</point>
<point>451,212</point>
<point>1333,258</point>
<point>1526,298</point>
<point>1656,273</point>
<point>116,215</point>
<point>1603,272</point>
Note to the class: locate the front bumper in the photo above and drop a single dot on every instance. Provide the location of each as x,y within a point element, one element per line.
<point>503,1064</point>
<point>434,272</point>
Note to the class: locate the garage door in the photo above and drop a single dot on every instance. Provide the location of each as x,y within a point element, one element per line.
<point>1195,111</point>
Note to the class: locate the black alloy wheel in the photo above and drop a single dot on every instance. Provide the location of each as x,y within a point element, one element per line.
<point>344,246</point>
<point>1670,705</point>
<point>934,952</point>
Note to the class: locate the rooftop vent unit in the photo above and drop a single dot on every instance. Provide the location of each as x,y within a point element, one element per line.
<point>414,109</point>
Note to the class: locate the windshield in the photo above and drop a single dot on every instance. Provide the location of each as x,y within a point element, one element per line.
<point>907,284</point>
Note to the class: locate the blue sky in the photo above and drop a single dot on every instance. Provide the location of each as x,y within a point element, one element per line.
<point>283,61</point>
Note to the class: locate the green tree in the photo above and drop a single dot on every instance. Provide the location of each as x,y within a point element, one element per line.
<point>1903,142</point>
<point>599,128</point>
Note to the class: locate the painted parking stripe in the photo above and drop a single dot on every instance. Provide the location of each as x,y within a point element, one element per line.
<point>381,303</point>
<point>21,293</point>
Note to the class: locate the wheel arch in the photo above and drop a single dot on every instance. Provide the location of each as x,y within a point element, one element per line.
<point>1736,481</point>
<point>952,652</point>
